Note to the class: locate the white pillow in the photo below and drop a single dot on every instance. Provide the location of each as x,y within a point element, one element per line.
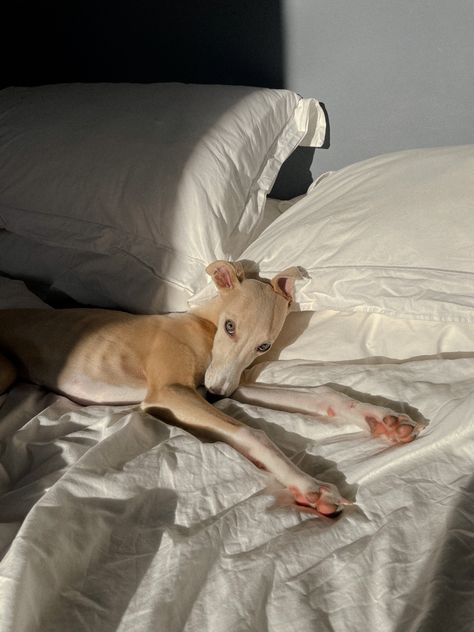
<point>392,235</point>
<point>143,184</point>
<point>15,295</point>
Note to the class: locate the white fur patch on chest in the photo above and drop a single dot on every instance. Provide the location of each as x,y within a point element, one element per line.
<point>91,391</point>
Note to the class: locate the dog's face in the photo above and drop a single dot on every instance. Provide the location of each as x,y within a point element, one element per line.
<point>252,315</point>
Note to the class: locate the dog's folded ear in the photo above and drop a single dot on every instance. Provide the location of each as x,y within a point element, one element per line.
<point>226,275</point>
<point>284,282</point>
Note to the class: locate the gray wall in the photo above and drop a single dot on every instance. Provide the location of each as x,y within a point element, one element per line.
<point>394,74</point>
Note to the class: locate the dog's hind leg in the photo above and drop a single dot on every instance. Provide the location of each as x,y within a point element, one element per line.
<point>7,373</point>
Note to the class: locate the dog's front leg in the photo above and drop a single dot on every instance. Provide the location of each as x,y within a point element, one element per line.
<point>324,400</point>
<point>183,406</point>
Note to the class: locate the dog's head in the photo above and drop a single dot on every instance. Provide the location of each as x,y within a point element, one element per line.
<point>252,313</point>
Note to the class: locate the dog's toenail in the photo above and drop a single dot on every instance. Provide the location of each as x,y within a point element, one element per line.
<point>334,514</point>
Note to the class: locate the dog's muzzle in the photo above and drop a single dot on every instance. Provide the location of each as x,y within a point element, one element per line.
<point>219,385</point>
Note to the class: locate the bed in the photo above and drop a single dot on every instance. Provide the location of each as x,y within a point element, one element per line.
<point>111,519</point>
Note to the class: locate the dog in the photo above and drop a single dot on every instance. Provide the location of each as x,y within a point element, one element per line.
<point>96,356</point>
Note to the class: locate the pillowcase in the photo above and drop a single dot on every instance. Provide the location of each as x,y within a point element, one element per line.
<point>391,235</point>
<point>132,189</point>
<point>15,295</point>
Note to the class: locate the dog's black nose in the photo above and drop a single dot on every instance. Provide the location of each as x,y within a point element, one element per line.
<point>212,397</point>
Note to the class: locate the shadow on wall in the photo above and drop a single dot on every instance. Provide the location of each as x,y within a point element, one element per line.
<point>186,41</point>
<point>200,42</point>
<point>295,175</point>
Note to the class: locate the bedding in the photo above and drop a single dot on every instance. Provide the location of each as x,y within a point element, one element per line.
<point>120,194</point>
<point>113,520</point>
<point>390,235</point>
<point>331,336</point>
<point>53,268</point>
<point>129,524</point>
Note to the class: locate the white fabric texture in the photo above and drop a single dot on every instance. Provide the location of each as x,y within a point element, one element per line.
<point>24,258</point>
<point>133,188</point>
<point>112,520</point>
<point>392,235</point>
<point>14,294</point>
<point>330,336</point>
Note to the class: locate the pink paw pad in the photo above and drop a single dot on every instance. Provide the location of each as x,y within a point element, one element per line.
<point>397,428</point>
<point>315,502</point>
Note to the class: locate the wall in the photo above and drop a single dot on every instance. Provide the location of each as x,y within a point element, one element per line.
<point>393,74</point>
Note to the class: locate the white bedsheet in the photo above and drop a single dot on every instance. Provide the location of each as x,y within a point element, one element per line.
<point>113,520</point>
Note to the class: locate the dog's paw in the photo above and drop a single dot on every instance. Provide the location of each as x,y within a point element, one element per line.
<point>396,427</point>
<point>322,499</point>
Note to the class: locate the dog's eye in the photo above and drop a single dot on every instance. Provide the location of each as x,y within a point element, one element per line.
<point>265,346</point>
<point>230,327</point>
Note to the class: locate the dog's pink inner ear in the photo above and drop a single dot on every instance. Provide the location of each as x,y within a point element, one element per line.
<point>223,277</point>
<point>285,286</point>
<point>284,282</point>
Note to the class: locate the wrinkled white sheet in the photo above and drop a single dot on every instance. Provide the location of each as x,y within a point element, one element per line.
<point>113,520</point>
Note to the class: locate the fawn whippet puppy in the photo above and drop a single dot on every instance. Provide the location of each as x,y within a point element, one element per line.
<point>110,357</point>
